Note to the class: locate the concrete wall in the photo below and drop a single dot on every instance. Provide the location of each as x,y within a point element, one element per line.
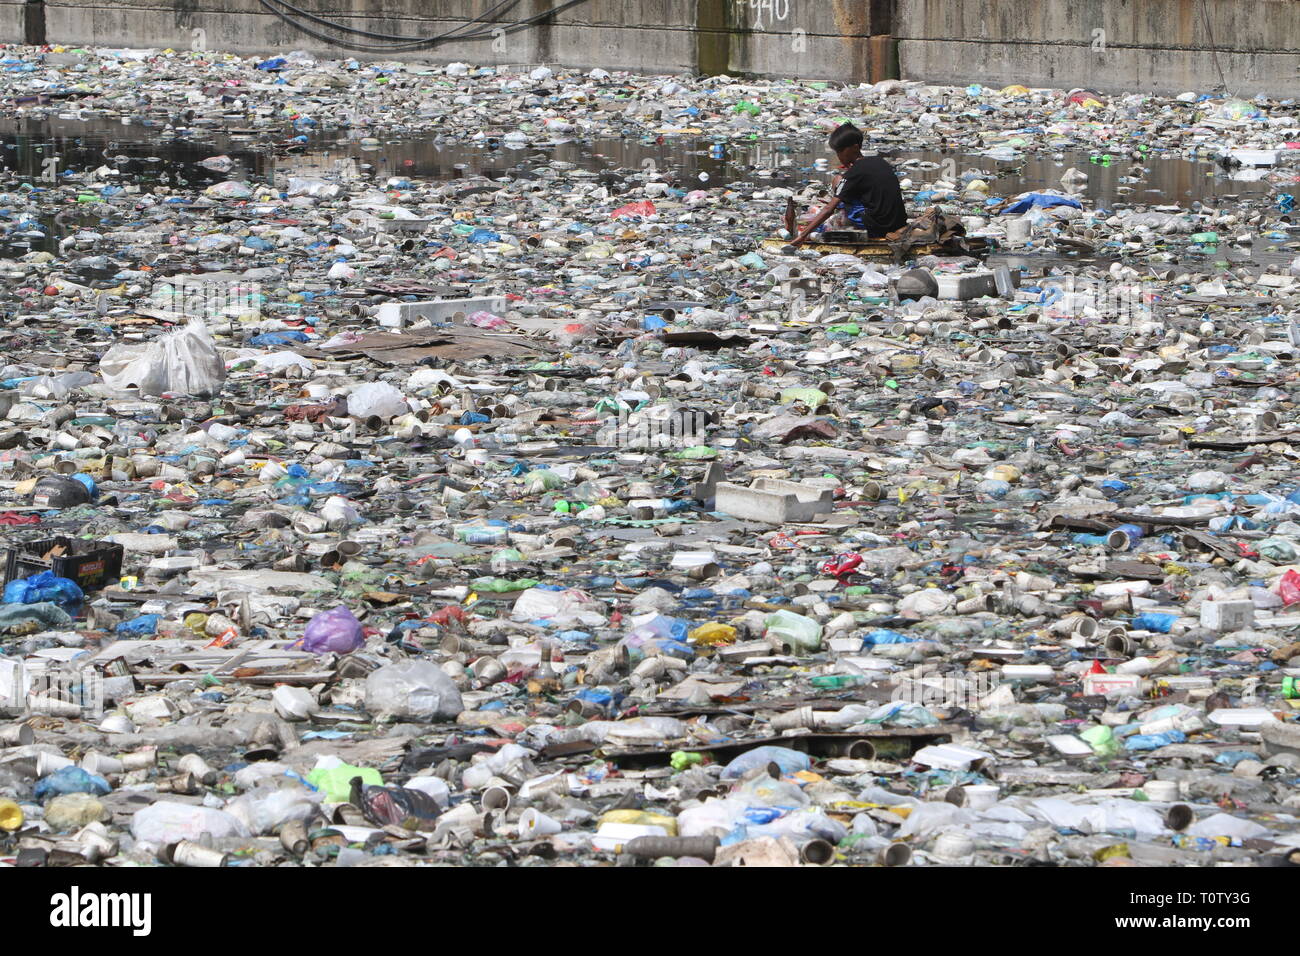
<point>11,21</point>
<point>1164,46</point>
<point>810,38</point>
<point>1157,45</point>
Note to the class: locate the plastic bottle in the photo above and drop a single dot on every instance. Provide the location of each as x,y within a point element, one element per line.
<point>483,535</point>
<point>703,847</point>
<point>837,681</point>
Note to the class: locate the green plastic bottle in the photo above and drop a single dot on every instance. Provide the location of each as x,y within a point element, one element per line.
<point>836,681</point>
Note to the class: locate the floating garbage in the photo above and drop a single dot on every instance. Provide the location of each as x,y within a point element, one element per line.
<point>498,484</point>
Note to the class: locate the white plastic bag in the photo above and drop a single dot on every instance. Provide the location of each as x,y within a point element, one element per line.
<point>801,825</point>
<point>1223,824</point>
<point>413,688</point>
<point>229,190</point>
<point>184,362</point>
<point>1103,817</point>
<point>637,732</point>
<point>56,386</point>
<point>927,819</point>
<point>247,778</point>
<point>339,513</point>
<point>713,816</point>
<point>435,787</point>
<point>168,822</point>
<point>316,188</point>
<point>563,608</point>
<point>377,398</point>
<point>270,806</point>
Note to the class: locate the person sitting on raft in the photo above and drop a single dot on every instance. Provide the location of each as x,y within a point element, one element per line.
<point>867,196</point>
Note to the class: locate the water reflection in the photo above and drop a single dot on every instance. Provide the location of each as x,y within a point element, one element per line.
<point>41,151</point>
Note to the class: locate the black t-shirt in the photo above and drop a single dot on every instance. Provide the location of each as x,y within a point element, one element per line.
<point>871,181</point>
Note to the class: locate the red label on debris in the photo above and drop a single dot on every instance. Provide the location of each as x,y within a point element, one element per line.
<point>225,638</point>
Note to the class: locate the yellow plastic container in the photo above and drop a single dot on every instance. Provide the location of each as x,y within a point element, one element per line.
<point>11,815</point>
<point>641,818</point>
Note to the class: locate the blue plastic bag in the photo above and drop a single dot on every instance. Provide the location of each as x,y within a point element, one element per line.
<point>1154,621</point>
<point>1153,741</point>
<point>599,698</point>
<point>790,761</point>
<point>46,587</point>
<point>279,338</point>
<point>1043,200</point>
<point>883,635</point>
<point>71,780</point>
<point>144,624</point>
<point>1230,758</point>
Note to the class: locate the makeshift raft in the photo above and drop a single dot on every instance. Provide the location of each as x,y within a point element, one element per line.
<point>859,244</point>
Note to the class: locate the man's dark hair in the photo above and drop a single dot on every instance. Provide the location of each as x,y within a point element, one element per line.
<point>844,136</point>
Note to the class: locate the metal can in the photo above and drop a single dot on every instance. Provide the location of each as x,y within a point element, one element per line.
<point>188,853</point>
<point>1124,537</point>
<point>293,837</point>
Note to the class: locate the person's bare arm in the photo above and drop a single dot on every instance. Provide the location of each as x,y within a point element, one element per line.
<point>826,212</point>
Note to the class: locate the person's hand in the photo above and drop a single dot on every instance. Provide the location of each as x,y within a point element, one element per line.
<point>798,241</point>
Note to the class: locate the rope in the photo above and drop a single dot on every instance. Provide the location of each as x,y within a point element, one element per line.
<point>405,44</point>
<point>1209,33</point>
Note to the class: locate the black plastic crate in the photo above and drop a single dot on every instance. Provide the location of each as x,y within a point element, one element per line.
<point>91,564</point>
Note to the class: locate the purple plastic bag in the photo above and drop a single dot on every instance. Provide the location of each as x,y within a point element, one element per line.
<point>333,632</point>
